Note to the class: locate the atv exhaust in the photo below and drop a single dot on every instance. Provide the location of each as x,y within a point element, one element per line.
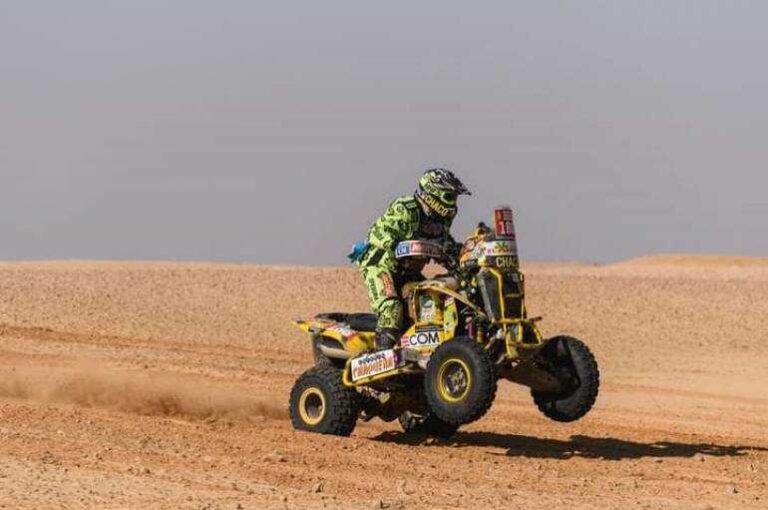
<point>334,353</point>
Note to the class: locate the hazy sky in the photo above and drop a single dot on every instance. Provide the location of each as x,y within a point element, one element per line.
<point>275,132</point>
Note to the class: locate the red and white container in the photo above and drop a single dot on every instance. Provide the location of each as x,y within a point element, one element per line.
<point>505,224</point>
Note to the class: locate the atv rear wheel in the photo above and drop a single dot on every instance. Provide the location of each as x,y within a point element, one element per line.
<point>460,382</point>
<point>321,403</point>
<point>574,365</point>
<point>429,425</point>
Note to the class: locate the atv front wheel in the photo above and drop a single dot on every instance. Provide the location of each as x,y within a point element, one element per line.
<point>429,425</point>
<point>321,403</point>
<point>574,365</point>
<point>460,382</point>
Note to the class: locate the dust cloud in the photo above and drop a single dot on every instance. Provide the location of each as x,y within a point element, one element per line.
<point>136,393</point>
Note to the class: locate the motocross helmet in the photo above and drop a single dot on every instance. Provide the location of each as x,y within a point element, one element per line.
<point>439,190</point>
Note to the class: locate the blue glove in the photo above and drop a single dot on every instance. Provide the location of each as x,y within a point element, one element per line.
<point>358,252</point>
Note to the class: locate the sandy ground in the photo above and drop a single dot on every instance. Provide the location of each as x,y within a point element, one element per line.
<point>165,385</point>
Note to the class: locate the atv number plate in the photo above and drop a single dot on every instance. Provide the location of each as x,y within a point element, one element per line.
<point>372,364</point>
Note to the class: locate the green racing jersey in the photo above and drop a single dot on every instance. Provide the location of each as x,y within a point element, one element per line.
<point>404,220</point>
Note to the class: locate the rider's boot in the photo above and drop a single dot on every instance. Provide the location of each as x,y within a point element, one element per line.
<point>386,338</point>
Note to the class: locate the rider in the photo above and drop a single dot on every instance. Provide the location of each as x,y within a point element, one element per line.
<point>425,215</point>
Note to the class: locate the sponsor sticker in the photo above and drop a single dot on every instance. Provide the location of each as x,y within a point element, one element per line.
<point>427,309</point>
<point>422,338</point>
<point>418,249</point>
<point>440,209</point>
<point>427,314</point>
<point>505,226</point>
<point>373,364</point>
<point>342,330</point>
<point>506,262</point>
<point>402,250</point>
<point>449,317</point>
<point>498,248</point>
<point>388,285</point>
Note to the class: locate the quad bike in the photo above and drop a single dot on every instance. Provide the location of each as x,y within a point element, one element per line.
<point>467,329</point>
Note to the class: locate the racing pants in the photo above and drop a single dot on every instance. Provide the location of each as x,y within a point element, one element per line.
<point>384,295</point>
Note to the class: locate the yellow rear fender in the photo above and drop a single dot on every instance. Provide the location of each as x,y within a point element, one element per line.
<point>351,340</point>
<point>302,325</point>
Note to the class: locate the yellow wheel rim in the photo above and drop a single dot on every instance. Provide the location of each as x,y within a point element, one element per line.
<point>312,406</point>
<point>454,380</point>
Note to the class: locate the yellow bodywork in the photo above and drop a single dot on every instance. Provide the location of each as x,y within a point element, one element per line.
<point>432,307</point>
<point>443,323</point>
<point>354,342</point>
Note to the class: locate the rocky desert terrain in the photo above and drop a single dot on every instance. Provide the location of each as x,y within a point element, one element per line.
<point>165,385</point>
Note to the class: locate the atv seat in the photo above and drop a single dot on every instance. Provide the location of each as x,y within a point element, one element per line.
<point>367,322</point>
<point>363,322</point>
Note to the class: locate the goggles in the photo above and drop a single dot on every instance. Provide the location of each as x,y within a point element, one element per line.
<point>446,197</point>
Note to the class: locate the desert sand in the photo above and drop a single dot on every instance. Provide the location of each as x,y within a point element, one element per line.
<point>165,385</point>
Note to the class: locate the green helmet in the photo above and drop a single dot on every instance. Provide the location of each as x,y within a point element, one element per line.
<point>439,189</point>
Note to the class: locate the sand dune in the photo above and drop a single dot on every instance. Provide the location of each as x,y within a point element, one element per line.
<point>696,261</point>
<point>164,385</point>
